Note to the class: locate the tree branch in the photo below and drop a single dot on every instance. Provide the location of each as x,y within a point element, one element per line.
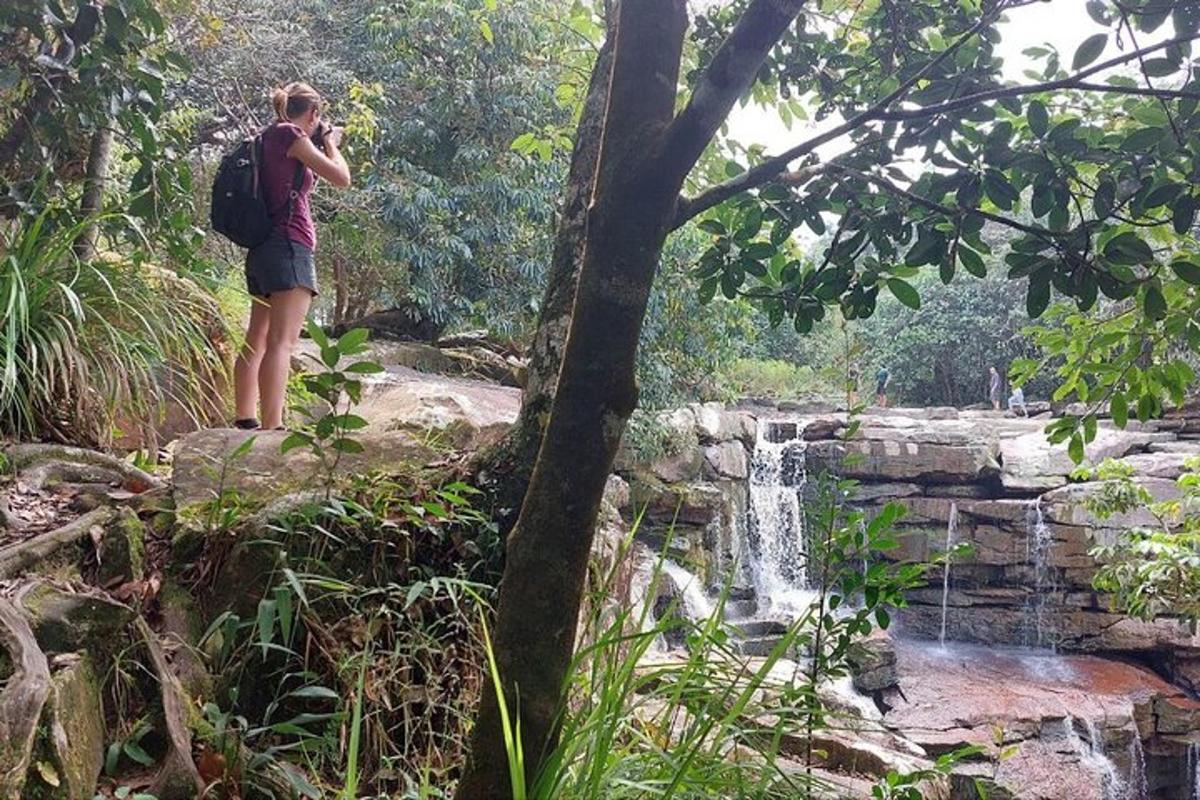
<point>950,211</point>
<point>726,78</point>
<point>769,169</point>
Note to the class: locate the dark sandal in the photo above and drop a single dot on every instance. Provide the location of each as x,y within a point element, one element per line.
<point>247,424</point>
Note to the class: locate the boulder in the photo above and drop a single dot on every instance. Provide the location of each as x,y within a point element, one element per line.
<point>905,458</point>
<point>67,617</point>
<point>873,663</point>
<point>455,412</point>
<point>727,460</point>
<point>715,423</point>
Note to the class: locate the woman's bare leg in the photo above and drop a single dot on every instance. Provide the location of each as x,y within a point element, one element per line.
<point>288,310</point>
<point>245,369</point>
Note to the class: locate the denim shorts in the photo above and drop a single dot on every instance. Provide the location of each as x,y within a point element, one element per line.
<point>279,264</point>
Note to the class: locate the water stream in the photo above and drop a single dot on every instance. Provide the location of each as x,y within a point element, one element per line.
<point>1037,632</point>
<point>777,532</point>
<point>1091,754</point>
<point>951,533</point>
<point>1193,769</point>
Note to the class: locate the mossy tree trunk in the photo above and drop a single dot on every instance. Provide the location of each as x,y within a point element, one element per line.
<point>645,153</point>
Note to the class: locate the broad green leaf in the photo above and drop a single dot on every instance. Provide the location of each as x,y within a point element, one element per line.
<point>904,292</point>
<point>1154,303</point>
<point>999,190</point>
<point>1037,298</point>
<point>972,262</point>
<point>1143,139</point>
<point>1118,407</point>
<point>1039,118</point>
<point>1075,449</point>
<point>1187,270</point>
<point>1089,50</point>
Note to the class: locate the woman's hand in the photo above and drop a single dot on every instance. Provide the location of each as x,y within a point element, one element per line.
<point>333,138</point>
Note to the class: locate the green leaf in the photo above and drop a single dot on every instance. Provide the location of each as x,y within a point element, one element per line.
<point>1089,51</point>
<point>904,292</point>
<point>137,753</point>
<point>1154,303</point>
<point>713,226</point>
<point>1160,67</point>
<point>294,440</point>
<point>1039,118</point>
<point>1128,248</point>
<point>365,368</point>
<point>972,262</point>
<point>999,190</point>
<point>1184,214</point>
<point>1143,139</point>
<point>346,446</point>
<point>1187,271</point>
<point>1118,407</point>
<point>351,340</point>
<point>265,624</point>
<point>317,334</point>
<point>1037,298</point>
<point>1075,449</point>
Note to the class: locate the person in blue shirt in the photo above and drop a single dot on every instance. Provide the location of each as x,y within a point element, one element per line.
<point>882,379</point>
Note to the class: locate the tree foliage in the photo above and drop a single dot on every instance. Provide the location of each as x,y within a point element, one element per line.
<point>441,103</point>
<point>1090,165</point>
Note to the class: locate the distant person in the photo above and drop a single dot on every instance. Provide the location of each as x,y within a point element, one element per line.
<point>280,275</point>
<point>1017,401</point>
<point>882,379</point>
<point>853,384</point>
<point>994,386</point>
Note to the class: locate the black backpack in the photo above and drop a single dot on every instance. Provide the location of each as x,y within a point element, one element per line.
<point>239,204</point>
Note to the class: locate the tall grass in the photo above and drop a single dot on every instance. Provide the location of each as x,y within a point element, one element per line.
<point>84,339</point>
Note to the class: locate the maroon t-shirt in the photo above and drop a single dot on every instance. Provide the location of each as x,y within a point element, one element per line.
<point>278,172</point>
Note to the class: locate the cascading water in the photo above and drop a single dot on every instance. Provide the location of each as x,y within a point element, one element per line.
<point>951,533</point>
<point>1193,773</point>
<point>777,536</point>
<point>1036,631</point>
<point>696,604</point>
<point>1091,754</point>
<point>1138,784</point>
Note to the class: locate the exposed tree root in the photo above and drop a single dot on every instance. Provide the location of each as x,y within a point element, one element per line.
<point>9,520</point>
<point>177,776</point>
<point>42,463</point>
<point>16,558</point>
<point>23,697</point>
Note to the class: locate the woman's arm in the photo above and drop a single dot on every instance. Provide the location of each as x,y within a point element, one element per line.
<point>329,164</point>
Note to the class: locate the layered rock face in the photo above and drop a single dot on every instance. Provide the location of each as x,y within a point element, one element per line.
<point>1091,703</point>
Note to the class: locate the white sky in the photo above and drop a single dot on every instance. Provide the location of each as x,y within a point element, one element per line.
<point>1062,23</point>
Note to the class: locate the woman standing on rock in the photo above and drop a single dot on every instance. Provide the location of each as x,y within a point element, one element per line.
<point>280,274</point>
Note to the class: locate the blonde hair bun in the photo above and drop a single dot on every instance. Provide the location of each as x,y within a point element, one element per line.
<point>294,99</point>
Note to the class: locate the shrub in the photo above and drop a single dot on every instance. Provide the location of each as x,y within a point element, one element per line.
<point>84,339</point>
<point>778,380</point>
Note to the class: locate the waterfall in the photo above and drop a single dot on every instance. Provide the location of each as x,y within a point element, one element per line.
<point>1193,772</point>
<point>1091,755</point>
<point>1038,545</point>
<point>777,536</point>
<point>1139,785</point>
<point>695,603</point>
<point>951,532</point>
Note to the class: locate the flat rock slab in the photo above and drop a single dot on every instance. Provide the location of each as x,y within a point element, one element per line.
<point>207,464</point>
<point>456,412</point>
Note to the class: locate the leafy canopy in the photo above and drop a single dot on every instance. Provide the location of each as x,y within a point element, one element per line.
<point>1089,161</point>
